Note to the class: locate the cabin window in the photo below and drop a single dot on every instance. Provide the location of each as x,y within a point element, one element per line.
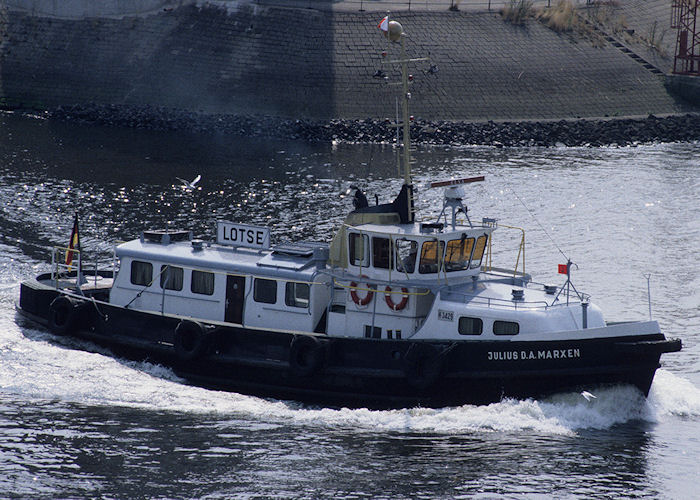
<point>265,291</point>
<point>359,249</point>
<point>141,273</point>
<point>430,257</point>
<point>470,326</point>
<point>505,328</point>
<point>479,251</point>
<point>381,253</point>
<point>458,253</point>
<point>297,294</point>
<point>406,252</point>
<point>171,278</point>
<point>202,283</point>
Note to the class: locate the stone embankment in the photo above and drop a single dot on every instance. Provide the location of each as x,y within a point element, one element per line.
<point>245,68</point>
<point>525,133</point>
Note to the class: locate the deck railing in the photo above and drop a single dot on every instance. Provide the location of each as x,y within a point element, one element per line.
<point>84,272</point>
<point>501,303</point>
<point>60,266</point>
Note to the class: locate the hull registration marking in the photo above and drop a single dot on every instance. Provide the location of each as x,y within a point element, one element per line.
<point>446,315</point>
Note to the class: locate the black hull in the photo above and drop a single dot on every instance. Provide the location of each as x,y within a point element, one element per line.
<point>358,372</point>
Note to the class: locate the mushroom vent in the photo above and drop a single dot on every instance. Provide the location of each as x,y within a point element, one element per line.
<point>517,294</point>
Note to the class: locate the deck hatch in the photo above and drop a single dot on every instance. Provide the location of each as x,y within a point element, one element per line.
<point>166,237</point>
<point>300,249</point>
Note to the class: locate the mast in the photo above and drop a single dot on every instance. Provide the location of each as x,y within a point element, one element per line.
<point>394,33</point>
<point>406,119</point>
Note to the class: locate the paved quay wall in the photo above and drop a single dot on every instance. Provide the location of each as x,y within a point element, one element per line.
<point>242,58</point>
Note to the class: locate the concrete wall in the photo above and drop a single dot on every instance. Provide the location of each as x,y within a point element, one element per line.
<point>77,9</point>
<point>306,63</point>
<point>686,87</point>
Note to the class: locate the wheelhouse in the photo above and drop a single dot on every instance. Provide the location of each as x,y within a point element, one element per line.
<point>415,251</point>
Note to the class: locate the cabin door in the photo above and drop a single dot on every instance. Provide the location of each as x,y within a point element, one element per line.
<point>235,296</point>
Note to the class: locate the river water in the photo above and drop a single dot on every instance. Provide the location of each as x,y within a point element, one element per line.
<point>76,422</point>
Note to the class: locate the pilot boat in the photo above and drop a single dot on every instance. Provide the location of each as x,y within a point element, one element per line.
<point>392,313</point>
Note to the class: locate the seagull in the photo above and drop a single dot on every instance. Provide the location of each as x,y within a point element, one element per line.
<point>588,395</point>
<point>190,185</point>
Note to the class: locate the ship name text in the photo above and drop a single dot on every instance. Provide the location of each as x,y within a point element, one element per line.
<point>537,355</point>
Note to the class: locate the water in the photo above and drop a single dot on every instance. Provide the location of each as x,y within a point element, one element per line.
<point>75,422</point>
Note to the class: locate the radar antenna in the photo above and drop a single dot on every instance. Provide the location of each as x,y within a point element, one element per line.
<point>454,196</point>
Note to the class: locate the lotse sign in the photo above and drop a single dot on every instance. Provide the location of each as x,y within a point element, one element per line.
<point>242,235</point>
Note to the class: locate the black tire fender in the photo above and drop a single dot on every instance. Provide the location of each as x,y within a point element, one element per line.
<point>62,315</point>
<point>422,365</point>
<point>306,354</point>
<point>191,340</point>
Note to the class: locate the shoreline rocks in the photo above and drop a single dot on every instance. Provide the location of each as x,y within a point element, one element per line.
<point>580,132</point>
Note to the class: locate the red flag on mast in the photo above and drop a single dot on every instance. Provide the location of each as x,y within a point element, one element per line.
<point>563,269</point>
<point>74,243</point>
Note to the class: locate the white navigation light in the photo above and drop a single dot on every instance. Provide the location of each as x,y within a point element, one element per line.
<point>394,32</point>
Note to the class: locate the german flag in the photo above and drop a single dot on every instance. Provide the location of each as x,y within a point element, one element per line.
<point>74,243</point>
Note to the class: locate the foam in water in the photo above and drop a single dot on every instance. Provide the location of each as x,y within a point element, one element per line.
<point>672,395</point>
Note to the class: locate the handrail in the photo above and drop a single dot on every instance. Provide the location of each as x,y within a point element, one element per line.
<point>488,254</point>
<point>521,248</point>
<point>496,302</point>
<point>58,265</point>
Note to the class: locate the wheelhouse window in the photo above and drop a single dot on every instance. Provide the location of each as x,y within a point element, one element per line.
<point>470,326</point>
<point>265,291</point>
<point>431,257</point>
<point>141,273</point>
<point>458,254</point>
<point>297,294</point>
<point>505,328</point>
<point>359,249</point>
<point>406,252</point>
<point>381,253</point>
<point>171,277</point>
<point>479,251</point>
<point>202,283</point>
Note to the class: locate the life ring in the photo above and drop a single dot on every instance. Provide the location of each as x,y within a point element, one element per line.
<point>389,301</point>
<point>191,340</point>
<point>422,366</point>
<point>356,297</point>
<point>305,355</point>
<point>62,315</point>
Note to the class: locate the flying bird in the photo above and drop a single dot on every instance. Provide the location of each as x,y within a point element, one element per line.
<point>188,184</point>
<point>588,395</point>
